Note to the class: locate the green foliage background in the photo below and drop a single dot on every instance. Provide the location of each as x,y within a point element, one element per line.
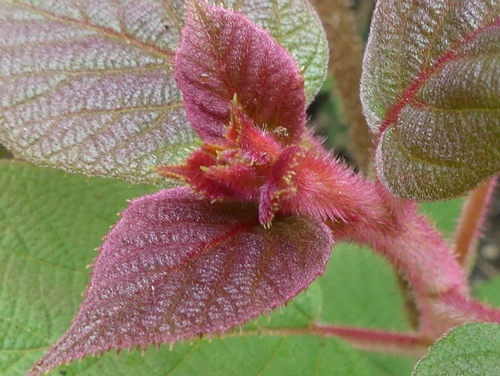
<point>50,224</point>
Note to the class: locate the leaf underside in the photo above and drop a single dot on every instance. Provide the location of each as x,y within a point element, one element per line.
<point>88,86</point>
<point>175,267</point>
<point>431,91</point>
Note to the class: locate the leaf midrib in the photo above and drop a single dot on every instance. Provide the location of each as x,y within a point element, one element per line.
<point>409,94</point>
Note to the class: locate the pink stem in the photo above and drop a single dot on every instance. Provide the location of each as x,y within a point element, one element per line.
<point>417,251</point>
<point>414,247</point>
<point>461,309</point>
<point>409,344</point>
<point>393,228</point>
<point>471,222</point>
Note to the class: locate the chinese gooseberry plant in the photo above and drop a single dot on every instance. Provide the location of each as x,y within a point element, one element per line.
<point>209,102</point>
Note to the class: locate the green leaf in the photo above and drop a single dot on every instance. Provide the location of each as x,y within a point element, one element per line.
<point>360,289</point>
<point>472,350</point>
<point>245,356</point>
<point>444,213</point>
<point>431,91</point>
<point>489,291</point>
<point>49,225</point>
<point>88,87</point>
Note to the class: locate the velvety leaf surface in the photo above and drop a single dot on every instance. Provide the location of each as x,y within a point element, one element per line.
<point>50,224</point>
<point>431,91</point>
<point>472,350</point>
<point>222,55</point>
<point>88,86</point>
<point>175,267</point>
<point>296,26</point>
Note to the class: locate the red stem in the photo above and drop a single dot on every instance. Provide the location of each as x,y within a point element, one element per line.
<point>471,222</point>
<point>418,252</point>
<point>409,344</point>
<point>410,243</point>
<point>415,248</point>
<point>462,309</point>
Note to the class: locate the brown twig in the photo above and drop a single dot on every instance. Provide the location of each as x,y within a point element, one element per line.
<point>346,54</point>
<point>471,222</point>
<point>363,13</point>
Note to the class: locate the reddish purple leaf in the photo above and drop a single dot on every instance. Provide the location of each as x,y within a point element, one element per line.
<point>175,267</point>
<point>222,54</point>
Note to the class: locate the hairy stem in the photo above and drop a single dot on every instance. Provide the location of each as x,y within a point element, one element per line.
<point>410,344</point>
<point>415,249</point>
<point>411,308</point>
<point>471,222</point>
<point>346,54</point>
<point>461,309</point>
